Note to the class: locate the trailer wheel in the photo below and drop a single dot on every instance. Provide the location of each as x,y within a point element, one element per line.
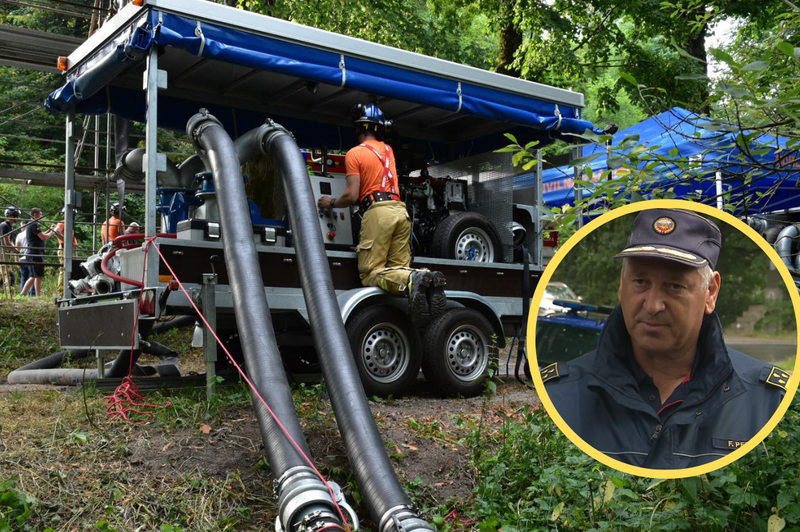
<point>457,352</point>
<point>467,236</point>
<point>386,348</point>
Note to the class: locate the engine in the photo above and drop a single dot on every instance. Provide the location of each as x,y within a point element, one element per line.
<point>429,202</point>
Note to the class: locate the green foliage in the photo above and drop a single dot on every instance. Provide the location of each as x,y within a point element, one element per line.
<point>780,317</point>
<point>15,506</point>
<point>449,30</point>
<point>530,477</point>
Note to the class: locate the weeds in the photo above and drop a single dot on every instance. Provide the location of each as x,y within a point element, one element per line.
<point>532,478</point>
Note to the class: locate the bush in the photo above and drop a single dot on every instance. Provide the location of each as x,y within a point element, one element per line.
<point>531,477</point>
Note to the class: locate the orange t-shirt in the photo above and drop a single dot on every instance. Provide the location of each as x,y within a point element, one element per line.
<point>60,231</point>
<point>364,163</point>
<point>115,228</point>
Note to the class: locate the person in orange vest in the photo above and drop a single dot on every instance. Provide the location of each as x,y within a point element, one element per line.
<point>59,229</point>
<point>384,249</point>
<point>113,227</point>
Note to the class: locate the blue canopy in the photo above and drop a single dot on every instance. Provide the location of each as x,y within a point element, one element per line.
<point>93,85</point>
<point>680,133</point>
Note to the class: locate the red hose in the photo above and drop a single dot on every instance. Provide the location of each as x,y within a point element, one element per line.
<point>119,243</point>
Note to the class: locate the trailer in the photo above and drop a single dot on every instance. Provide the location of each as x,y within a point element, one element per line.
<point>283,291</point>
<point>162,62</point>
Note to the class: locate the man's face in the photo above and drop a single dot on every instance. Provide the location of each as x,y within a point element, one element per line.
<point>663,304</point>
<point>36,215</point>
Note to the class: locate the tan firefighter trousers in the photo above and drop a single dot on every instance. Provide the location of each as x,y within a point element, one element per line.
<point>384,251</point>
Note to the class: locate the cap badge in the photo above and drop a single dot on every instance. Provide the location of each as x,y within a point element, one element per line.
<point>664,225</point>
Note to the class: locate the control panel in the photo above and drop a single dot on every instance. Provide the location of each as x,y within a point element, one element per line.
<point>333,223</point>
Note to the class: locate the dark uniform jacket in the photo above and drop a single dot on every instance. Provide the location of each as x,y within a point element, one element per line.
<point>727,400</point>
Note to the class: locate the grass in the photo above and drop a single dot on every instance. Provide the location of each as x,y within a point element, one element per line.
<point>201,466</point>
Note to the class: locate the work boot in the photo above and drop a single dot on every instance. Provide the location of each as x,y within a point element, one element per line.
<point>436,298</point>
<point>418,284</point>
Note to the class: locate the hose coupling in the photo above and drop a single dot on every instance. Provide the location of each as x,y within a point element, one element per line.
<point>198,123</point>
<point>303,501</point>
<point>403,518</point>
<point>268,132</point>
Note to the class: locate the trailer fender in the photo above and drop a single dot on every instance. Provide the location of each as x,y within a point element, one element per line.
<point>350,300</point>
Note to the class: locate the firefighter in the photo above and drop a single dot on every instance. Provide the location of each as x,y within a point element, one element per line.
<point>113,227</point>
<point>384,249</point>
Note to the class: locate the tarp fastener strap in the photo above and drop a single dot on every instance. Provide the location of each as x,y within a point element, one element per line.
<point>460,100</point>
<point>558,114</point>
<point>343,69</point>
<point>199,33</point>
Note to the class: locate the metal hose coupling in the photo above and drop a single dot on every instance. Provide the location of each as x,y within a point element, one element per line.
<point>305,505</point>
<point>268,132</point>
<point>198,123</point>
<point>403,519</point>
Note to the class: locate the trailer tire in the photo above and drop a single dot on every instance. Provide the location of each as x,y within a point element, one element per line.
<point>457,352</point>
<point>467,236</point>
<point>387,349</point>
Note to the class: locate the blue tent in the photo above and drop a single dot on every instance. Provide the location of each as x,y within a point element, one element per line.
<point>680,133</point>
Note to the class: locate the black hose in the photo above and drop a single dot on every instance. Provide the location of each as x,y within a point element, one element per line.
<point>388,504</point>
<point>55,360</point>
<point>256,333</point>
<point>174,323</point>
<point>120,366</point>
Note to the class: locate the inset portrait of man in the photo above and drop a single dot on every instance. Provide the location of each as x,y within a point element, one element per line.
<point>662,390</point>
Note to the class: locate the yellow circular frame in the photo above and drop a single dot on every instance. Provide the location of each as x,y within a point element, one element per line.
<point>539,293</point>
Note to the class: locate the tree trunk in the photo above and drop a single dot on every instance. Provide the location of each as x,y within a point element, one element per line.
<point>510,41</point>
<point>696,47</point>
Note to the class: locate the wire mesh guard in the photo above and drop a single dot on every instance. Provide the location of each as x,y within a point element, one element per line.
<point>491,190</point>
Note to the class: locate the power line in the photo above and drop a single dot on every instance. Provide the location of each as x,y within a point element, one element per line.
<point>84,6</point>
<point>50,9</point>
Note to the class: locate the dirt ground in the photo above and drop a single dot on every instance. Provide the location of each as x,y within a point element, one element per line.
<point>200,467</point>
<point>181,452</point>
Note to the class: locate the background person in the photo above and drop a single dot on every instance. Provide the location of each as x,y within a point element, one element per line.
<point>113,227</point>
<point>34,255</point>
<point>662,390</point>
<point>384,249</point>
<point>7,249</point>
<point>21,243</point>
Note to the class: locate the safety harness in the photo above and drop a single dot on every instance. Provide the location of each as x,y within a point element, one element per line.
<point>389,185</point>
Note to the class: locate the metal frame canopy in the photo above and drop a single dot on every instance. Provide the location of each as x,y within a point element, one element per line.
<point>243,67</point>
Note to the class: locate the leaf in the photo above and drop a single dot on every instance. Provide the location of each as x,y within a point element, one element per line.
<point>557,511</point>
<point>656,483</point>
<point>784,498</point>
<point>491,385</point>
<point>690,487</point>
<point>756,66</point>
<point>630,79</point>
<point>530,164</point>
<point>512,148</point>
<point>580,161</point>
<point>786,48</point>
<point>775,523</point>
<point>205,429</point>
<point>693,76</point>
<point>511,137</point>
<point>529,146</point>
<point>608,491</point>
<point>618,481</point>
